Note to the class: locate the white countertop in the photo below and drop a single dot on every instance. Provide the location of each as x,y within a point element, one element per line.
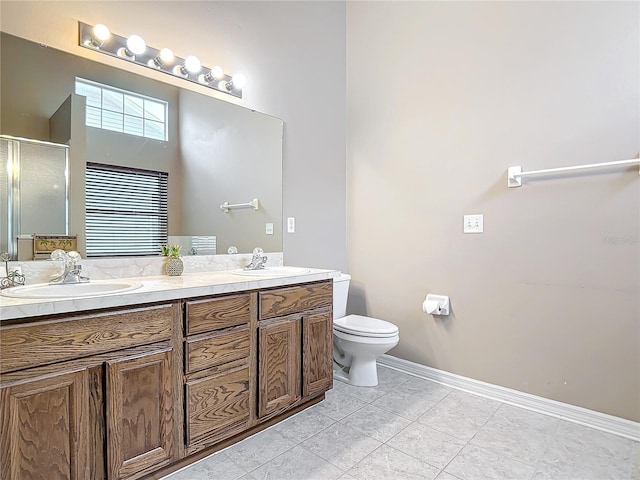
<point>156,289</point>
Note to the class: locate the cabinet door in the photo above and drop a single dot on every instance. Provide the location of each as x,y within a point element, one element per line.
<point>139,398</point>
<point>45,427</point>
<point>278,364</point>
<point>317,354</point>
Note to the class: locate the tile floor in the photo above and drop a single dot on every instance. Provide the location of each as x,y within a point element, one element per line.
<point>408,428</point>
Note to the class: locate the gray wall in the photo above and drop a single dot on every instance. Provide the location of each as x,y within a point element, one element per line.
<point>546,301</point>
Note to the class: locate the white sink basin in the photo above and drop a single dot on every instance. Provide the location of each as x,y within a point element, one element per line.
<point>272,272</point>
<point>91,289</point>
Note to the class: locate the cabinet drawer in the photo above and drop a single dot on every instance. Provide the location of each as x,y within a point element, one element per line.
<point>214,349</point>
<point>284,301</point>
<point>41,343</point>
<point>213,314</point>
<point>216,405</point>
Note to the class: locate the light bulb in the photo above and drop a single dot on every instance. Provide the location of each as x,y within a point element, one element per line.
<point>192,64</point>
<point>239,81</point>
<point>217,72</point>
<point>166,55</point>
<point>136,45</point>
<point>101,33</point>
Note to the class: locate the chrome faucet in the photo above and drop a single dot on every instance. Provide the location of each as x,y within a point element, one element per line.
<point>258,260</point>
<point>72,268</point>
<point>11,278</point>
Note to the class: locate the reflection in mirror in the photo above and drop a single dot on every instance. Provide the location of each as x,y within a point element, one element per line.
<point>196,245</point>
<point>215,152</point>
<point>34,189</point>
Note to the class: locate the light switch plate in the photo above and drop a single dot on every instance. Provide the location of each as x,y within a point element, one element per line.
<point>473,223</point>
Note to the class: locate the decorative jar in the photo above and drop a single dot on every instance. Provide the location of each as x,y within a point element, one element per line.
<point>174,266</point>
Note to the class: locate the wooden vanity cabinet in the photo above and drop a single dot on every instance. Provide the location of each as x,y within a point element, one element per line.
<point>133,392</point>
<point>110,415</point>
<point>295,345</point>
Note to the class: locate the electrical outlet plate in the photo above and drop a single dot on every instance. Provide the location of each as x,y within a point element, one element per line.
<point>291,225</point>
<point>269,229</point>
<point>473,223</point>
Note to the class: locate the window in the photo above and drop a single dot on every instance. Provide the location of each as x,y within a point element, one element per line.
<point>113,109</point>
<point>127,211</point>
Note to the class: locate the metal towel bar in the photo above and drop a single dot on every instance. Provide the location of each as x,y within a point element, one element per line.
<point>226,206</point>
<point>515,174</point>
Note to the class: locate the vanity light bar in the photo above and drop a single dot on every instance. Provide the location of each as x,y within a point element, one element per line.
<point>134,49</point>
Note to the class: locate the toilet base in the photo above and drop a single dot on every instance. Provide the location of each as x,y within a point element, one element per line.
<point>363,372</point>
<point>358,374</point>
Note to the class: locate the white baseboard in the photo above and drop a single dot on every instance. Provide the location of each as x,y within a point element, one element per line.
<point>590,418</point>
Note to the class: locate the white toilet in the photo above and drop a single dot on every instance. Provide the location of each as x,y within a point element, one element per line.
<point>358,341</point>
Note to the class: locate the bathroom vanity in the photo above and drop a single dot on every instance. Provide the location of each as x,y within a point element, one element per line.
<point>139,384</point>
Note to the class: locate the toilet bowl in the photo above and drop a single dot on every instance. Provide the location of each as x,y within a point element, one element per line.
<point>358,340</point>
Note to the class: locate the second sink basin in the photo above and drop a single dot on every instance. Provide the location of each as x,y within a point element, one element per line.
<point>91,289</point>
<point>272,271</point>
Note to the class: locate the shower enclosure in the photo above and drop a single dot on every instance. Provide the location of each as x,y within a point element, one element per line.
<point>34,190</point>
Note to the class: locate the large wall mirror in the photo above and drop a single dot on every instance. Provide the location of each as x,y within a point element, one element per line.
<point>215,151</point>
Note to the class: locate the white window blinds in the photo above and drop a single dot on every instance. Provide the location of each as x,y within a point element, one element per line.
<point>127,211</point>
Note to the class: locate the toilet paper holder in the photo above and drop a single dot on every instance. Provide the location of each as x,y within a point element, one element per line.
<point>436,304</point>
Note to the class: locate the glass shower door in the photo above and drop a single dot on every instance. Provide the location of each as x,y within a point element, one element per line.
<point>34,189</point>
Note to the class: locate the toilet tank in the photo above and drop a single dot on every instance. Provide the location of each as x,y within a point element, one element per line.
<point>340,295</point>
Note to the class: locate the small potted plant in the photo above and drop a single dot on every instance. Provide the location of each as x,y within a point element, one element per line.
<point>174,265</point>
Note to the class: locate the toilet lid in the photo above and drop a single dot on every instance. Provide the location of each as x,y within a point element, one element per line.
<point>365,326</point>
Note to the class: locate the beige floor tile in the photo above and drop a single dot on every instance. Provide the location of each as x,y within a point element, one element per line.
<point>386,463</point>
<point>474,462</point>
<point>259,449</point>
<point>427,445</point>
<point>297,464</point>
<point>376,422</point>
<point>460,414</point>
<point>304,425</point>
<point>341,445</point>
